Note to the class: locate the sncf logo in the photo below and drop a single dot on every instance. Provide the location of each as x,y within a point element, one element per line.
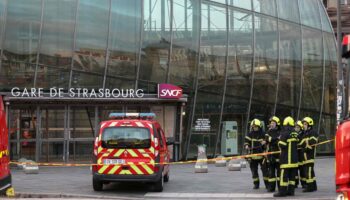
<point>168,91</point>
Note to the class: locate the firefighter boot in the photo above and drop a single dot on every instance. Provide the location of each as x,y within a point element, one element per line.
<point>256,186</point>
<point>280,194</point>
<point>314,186</point>
<point>308,188</point>
<point>290,191</point>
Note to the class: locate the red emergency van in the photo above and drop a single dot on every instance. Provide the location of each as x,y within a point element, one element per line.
<point>131,147</point>
<point>5,175</point>
<point>342,156</point>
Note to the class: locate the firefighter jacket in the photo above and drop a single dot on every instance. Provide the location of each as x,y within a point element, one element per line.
<point>300,148</point>
<point>253,140</point>
<point>272,138</point>
<point>289,150</point>
<point>308,142</point>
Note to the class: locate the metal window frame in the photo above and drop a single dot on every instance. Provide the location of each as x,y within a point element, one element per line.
<point>278,57</point>
<point>302,62</point>
<point>252,72</point>
<point>39,43</point>
<point>3,33</point>
<point>107,44</point>
<point>74,43</point>
<point>218,138</point>
<point>323,69</point>
<point>195,86</point>
<point>137,76</point>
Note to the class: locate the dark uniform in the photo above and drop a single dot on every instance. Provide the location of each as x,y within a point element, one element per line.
<point>309,140</point>
<point>288,159</point>
<point>301,176</point>
<point>272,138</point>
<point>253,141</point>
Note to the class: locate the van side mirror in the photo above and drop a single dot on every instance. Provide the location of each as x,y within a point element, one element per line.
<point>170,141</point>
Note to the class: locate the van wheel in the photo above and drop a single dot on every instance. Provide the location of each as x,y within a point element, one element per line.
<point>166,177</point>
<point>97,185</point>
<point>158,186</point>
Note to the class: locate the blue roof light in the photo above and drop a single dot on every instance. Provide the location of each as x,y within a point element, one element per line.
<point>132,115</point>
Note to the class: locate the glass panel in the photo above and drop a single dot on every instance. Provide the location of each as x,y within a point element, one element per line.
<point>328,120</point>
<point>124,41</point>
<point>239,70</point>
<point>290,70</point>
<point>56,44</point>
<point>246,4</point>
<point>325,20</point>
<point>265,6</point>
<point>27,150</point>
<point>156,44</point>
<point>82,122</point>
<point>81,150</point>
<point>265,68</point>
<point>106,110</point>
<point>87,80</point>
<point>310,14</point>
<point>14,151</point>
<point>288,10</point>
<point>52,122</point>
<point>21,43</point>
<point>313,74</point>
<point>211,73</point>
<point>185,44</point>
<point>91,41</point>
<point>51,151</point>
<point>186,30</point>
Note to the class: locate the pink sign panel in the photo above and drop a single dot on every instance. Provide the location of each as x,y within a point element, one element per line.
<point>168,91</point>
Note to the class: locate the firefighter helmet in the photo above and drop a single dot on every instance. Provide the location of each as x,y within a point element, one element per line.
<point>299,123</point>
<point>256,122</point>
<point>309,121</point>
<point>275,119</point>
<point>288,121</point>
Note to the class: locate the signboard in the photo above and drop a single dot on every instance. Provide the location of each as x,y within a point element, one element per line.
<point>77,93</point>
<point>202,124</point>
<point>168,91</point>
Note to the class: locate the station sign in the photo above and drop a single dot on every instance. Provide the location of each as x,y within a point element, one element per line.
<point>169,91</point>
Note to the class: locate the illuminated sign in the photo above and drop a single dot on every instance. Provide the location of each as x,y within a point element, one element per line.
<point>77,93</point>
<point>168,91</point>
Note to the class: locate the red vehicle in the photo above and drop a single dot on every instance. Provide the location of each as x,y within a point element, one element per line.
<point>131,147</point>
<point>342,156</point>
<point>5,174</point>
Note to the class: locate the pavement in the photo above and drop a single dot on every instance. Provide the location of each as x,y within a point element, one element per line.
<point>218,183</point>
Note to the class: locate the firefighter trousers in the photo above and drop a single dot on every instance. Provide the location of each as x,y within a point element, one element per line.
<point>254,164</point>
<point>274,171</point>
<point>300,176</point>
<point>310,176</point>
<point>287,180</point>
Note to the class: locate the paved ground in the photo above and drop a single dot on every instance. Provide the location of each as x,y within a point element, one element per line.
<point>219,183</point>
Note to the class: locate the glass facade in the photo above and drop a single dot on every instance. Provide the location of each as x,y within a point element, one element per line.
<point>235,59</point>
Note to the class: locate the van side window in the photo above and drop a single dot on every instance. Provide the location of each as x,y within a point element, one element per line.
<point>157,134</point>
<point>160,138</point>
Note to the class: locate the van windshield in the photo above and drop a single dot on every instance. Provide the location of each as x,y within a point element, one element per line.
<point>126,137</point>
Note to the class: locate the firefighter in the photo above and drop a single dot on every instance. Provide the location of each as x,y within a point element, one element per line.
<point>255,143</point>
<point>310,139</point>
<point>271,138</point>
<point>288,158</point>
<point>300,176</point>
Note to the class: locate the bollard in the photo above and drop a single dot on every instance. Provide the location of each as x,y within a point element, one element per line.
<point>21,166</point>
<point>243,164</point>
<point>31,167</point>
<point>201,165</point>
<point>234,165</point>
<point>220,161</point>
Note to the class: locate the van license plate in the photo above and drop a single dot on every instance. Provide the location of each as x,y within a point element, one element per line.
<point>113,161</point>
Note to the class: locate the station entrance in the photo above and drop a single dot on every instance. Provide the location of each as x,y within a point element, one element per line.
<point>63,130</point>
